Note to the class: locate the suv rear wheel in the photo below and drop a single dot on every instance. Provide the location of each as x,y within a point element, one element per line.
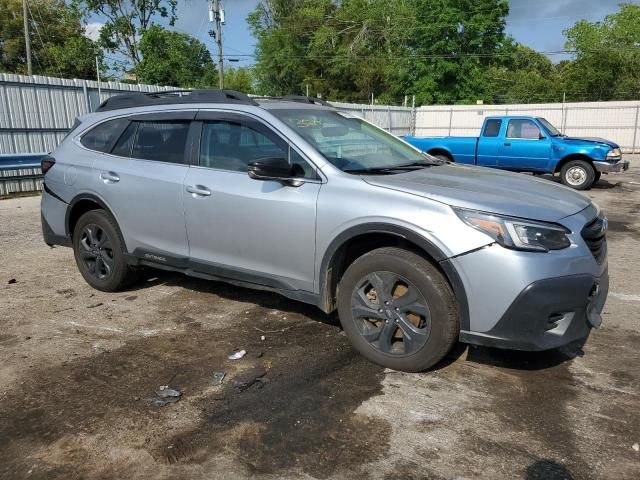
<point>398,310</point>
<point>99,251</point>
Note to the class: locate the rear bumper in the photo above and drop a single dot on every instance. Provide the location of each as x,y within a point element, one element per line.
<point>548,314</point>
<point>606,167</point>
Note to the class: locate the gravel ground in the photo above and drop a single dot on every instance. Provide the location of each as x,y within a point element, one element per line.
<point>80,367</point>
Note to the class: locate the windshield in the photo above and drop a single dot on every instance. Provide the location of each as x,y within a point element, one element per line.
<point>551,130</point>
<point>350,143</point>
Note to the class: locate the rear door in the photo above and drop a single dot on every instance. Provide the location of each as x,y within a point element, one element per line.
<point>254,230</point>
<point>525,147</point>
<point>141,179</point>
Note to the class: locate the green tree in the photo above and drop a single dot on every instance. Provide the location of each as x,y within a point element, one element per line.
<point>174,58</point>
<point>607,59</point>
<point>126,22</point>
<point>239,79</point>
<point>523,75</point>
<point>58,44</point>
<point>438,50</point>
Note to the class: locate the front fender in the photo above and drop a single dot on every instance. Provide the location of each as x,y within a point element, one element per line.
<point>423,243</point>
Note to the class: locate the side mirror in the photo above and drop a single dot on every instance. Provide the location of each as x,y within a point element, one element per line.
<point>275,168</point>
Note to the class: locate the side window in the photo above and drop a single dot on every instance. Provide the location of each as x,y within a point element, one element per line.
<point>125,142</point>
<point>163,141</point>
<point>232,145</point>
<point>101,137</point>
<point>522,128</point>
<point>492,128</point>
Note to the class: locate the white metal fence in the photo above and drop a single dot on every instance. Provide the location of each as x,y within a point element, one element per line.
<point>36,112</point>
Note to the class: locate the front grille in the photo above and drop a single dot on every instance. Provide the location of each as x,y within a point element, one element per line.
<point>595,235</point>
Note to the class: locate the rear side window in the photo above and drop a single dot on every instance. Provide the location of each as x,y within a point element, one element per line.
<point>102,137</point>
<point>161,141</point>
<point>492,128</point>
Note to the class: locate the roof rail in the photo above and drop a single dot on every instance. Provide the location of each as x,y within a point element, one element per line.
<point>303,99</point>
<point>171,97</point>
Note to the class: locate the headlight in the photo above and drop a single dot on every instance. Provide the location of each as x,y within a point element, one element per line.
<point>615,154</point>
<point>517,233</point>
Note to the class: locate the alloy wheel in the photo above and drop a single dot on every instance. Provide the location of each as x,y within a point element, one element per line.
<point>391,313</point>
<point>96,252</point>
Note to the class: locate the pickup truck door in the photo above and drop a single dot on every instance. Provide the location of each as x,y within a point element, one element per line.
<point>524,146</point>
<point>489,143</point>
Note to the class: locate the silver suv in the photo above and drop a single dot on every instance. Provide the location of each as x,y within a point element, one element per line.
<point>290,195</point>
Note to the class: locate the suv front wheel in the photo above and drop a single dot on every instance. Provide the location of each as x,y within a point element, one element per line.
<point>99,251</point>
<point>398,310</point>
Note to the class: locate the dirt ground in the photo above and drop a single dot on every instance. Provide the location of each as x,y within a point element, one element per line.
<point>79,367</point>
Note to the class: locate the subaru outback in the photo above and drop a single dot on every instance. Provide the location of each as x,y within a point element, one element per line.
<point>294,196</point>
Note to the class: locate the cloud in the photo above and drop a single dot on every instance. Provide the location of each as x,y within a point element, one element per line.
<point>92,30</point>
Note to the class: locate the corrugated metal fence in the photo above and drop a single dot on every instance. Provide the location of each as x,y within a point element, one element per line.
<point>36,112</point>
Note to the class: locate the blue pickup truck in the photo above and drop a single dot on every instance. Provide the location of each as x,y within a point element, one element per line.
<point>529,144</point>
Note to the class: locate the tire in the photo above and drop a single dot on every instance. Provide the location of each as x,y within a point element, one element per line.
<point>404,335</point>
<point>578,174</point>
<point>100,254</point>
<point>444,158</point>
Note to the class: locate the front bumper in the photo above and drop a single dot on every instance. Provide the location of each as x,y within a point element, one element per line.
<point>607,167</point>
<point>548,314</point>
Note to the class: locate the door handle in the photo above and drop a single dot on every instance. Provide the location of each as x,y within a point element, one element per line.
<point>109,177</point>
<point>199,190</point>
<point>507,144</point>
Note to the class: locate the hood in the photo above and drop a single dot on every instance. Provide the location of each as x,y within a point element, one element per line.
<point>488,190</point>
<point>573,140</point>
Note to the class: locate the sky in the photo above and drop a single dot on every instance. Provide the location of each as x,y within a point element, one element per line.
<point>537,24</point>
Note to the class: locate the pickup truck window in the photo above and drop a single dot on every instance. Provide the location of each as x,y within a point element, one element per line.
<point>522,128</point>
<point>492,128</point>
<point>551,130</point>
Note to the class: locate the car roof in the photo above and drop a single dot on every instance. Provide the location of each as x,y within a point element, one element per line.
<point>209,96</point>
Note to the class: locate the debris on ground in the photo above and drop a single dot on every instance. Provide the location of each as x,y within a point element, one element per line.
<point>250,378</point>
<point>95,305</point>
<point>165,395</point>
<point>262,338</point>
<point>636,447</point>
<point>218,377</point>
<point>12,281</point>
<point>131,297</point>
<point>237,355</point>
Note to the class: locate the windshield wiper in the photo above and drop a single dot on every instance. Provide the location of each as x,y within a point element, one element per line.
<point>393,168</point>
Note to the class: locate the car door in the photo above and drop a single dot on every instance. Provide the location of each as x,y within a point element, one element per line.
<point>525,147</point>
<point>489,143</point>
<point>141,179</point>
<point>258,231</point>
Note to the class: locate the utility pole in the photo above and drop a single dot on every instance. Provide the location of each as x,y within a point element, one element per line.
<point>216,14</point>
<point>27,38</point>
<point>98,75</point>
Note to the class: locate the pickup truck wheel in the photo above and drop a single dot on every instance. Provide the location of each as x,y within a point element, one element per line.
<point>398,310</point>
<point>578,174</point>
<point>99,251</point>
<point>442,157</point>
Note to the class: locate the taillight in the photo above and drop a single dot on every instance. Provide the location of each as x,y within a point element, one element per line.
<point>46,163</point>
